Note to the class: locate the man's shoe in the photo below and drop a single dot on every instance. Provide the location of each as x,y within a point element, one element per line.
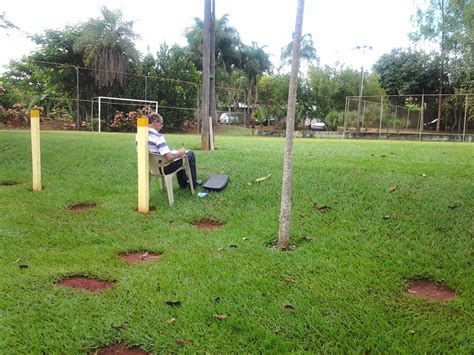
<point>198,182</point>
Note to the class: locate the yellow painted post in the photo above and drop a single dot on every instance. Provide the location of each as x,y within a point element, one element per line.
<point>143,169</point>
<point>35,149</point>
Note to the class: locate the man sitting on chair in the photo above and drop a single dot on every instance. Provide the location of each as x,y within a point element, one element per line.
<point>157,144</point>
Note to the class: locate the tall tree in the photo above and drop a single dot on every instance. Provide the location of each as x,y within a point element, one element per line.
<point>441,23</point>
<point>405,72</point>
<point>6,24</point>
<point>255,62</point>
<point>174,82</point>
<point>307,52</point>
<point>108,47</point>
<point>285,212</point>
<point>228,44</point>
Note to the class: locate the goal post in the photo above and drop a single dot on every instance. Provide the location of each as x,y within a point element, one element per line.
<point>109,99</point>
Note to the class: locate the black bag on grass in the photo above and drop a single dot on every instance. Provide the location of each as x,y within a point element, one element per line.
<point>216,182</point>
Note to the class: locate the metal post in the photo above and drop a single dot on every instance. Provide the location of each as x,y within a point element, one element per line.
<point>421,116</point>
<point>361,89</point>
<point>99,114</point>
<point>78,119</point>
<point>395,119</point>
<point>465,120</point>
<point>408,116</point>
<point>345,117</point>
<point>92,115</point>
<point>381,116</point>
<point>146,85</point>
<point>363,115</point>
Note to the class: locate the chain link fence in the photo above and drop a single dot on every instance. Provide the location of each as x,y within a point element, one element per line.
<point>72,97</point>
<point>414,115</point>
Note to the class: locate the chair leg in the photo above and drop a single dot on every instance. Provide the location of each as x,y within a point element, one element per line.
<point>169,188</point>
<point>160,181</point>
<point>188,174</point>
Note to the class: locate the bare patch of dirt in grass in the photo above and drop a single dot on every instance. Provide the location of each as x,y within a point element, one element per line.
<point>430,290</point>
<point>82,206</point>
<point>120,348</point>
<point>139,256</point>
<point>86,283</point>
<point>8,183</point>
<point>207,224</point>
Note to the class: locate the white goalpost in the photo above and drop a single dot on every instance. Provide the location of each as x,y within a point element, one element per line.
<point>99,100</point>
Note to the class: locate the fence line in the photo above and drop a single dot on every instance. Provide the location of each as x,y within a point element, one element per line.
<point>409,114</point>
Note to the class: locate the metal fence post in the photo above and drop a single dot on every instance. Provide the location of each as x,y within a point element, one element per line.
<point>345,117</point>
<point>381,116</point>
<point>78,119</point>
<point>465,120</point>
<point>146,85</point>
<point>421,116</point>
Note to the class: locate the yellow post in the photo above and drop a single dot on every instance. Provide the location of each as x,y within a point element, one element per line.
<point>35,149</point>
<point>143,169</point>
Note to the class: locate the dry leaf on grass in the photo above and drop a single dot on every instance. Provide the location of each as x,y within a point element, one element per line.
<point>289,308</point>
<point>393,189</point>
<point>183,342</point>
<point>322,208</point>
<point>263,178</point>
<point>220,316</point>
<point>171,321</point>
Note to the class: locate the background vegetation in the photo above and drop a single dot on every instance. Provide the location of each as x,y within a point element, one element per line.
<point>102,54</point>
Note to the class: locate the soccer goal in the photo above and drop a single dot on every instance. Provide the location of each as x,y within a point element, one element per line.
<point>107,106</point>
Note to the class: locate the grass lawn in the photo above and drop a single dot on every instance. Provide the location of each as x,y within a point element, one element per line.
<point>398,211</point>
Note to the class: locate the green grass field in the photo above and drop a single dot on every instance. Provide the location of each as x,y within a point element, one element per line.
<point>398,211</point>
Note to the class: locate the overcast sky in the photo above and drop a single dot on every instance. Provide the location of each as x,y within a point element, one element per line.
<point>337,27</point>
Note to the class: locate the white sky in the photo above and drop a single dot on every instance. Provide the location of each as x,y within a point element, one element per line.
<point>336,26</point>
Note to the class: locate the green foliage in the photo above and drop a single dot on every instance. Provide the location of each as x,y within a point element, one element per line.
<point>228,44</point>
<point>6,24</point>
<point>334,119</point>
<point>409,72</point>
<point>449,24</point>
<point>172,63</point>
<point>307,51</point>
<point>273,94</point>
<point>107,46</point>
<point>331,85</point>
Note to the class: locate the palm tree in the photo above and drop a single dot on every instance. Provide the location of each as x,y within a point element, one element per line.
<point>307,51</point>
<point>107,47</point>
<point>255,61</point>
<point>285,210</point>
<point>228,44</point>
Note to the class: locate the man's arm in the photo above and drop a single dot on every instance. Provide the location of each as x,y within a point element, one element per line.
<point>175,154</point>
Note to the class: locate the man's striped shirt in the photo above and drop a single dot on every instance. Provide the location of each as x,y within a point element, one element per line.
<point>157,142</point>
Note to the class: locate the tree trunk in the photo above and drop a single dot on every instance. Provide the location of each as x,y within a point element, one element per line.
<point>206,66</point>
<point>441,70</point>
<point>285,211</point>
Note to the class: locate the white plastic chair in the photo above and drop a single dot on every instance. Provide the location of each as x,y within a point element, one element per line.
<point>157,165</point>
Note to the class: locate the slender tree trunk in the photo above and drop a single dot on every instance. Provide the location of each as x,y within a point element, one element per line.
<point>441,70</point>
<point>206,66</point>
<point>285,211</point>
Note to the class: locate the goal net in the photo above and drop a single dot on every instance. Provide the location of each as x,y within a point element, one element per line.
<point>119,114</point>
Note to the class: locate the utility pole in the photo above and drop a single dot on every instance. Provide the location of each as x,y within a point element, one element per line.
<point>208,80</point>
